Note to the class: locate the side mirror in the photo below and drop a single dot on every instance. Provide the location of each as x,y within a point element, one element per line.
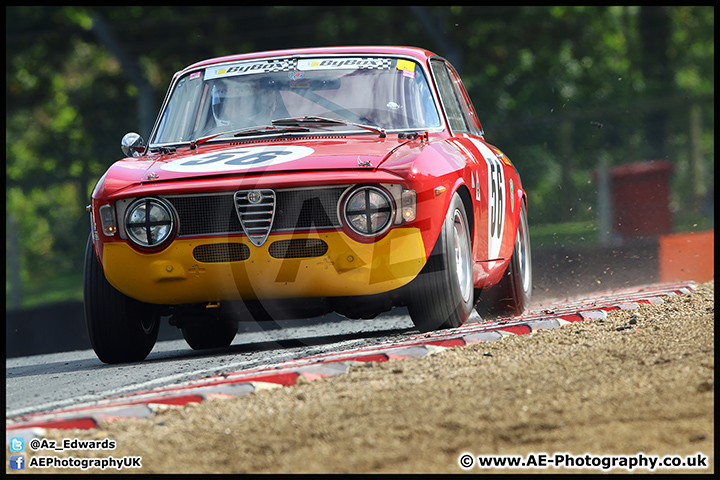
<point>132,145</point>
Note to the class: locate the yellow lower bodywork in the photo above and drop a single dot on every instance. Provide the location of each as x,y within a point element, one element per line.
<point>349,268</point>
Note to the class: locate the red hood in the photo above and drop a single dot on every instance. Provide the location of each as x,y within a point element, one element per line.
<point>357,153</point>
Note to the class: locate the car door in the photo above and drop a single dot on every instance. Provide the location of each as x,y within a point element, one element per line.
<point>488,174</point>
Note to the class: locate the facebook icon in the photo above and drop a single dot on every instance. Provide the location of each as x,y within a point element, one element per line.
<point>17,462</point>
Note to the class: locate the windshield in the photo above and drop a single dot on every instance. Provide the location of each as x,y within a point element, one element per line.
<point>390,93</point>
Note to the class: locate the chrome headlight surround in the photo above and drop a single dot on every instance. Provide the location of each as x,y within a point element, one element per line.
<point>368,211</point>
<point>149,222</point>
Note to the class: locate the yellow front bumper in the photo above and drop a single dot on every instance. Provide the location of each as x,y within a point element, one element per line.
<point>349,268</point>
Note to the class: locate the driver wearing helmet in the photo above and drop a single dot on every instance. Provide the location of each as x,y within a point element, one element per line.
<point>238,103</point>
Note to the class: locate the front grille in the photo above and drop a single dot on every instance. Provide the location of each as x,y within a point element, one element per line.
<point>295,209</point>
<point>298,248</point>
<point>308,208</point>
<point>256,210</point>
<point>206,214</point>
<point>221,252</point>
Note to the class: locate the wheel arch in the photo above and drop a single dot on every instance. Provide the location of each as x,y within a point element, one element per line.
<point>466,198</point>
<point>521,200</point>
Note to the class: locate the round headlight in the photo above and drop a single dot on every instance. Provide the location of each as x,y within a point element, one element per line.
<point>368,211</point>
<point>148,222</point>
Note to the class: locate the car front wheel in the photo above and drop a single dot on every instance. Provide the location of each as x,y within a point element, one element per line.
<point>442,295</point>
<point>213,335</point>
<point>120,328</point>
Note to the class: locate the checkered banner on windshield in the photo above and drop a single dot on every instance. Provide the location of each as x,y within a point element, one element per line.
<point>295,64</point>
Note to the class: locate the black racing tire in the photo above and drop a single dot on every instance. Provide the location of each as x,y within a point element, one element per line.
<point>441,296</point>
<point>511,296</point>
<point>214,334</point>
<point>120,328</point>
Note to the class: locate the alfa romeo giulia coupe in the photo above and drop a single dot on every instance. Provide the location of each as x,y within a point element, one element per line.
<point>294,183</point>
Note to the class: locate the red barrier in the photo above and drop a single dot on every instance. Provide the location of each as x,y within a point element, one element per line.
<point>687,256</point>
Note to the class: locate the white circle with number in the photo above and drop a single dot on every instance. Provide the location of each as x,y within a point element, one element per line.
<point>238,159</point>
<point>496,198</point>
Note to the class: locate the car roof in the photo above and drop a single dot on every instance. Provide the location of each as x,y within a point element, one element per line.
<point>419,53</point>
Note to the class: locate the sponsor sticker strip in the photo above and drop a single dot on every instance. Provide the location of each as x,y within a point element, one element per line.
<point>299,65</point>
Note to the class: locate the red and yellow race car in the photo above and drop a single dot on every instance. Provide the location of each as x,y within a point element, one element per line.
<point>298,182</point>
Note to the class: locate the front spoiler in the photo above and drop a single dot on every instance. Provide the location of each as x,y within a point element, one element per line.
<point>348,268</point>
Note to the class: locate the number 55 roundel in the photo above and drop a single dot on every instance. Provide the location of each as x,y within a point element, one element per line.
<point>496,200</point>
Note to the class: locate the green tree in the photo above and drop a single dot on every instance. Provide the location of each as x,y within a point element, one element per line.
<point>557,88</point>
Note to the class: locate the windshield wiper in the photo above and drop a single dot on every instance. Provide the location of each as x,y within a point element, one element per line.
<point>272,129</point>
<point>326,122</point>
<point>241,132</point>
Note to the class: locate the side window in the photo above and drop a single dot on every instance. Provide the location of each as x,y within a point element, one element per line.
<point>472,120</point>
<point>450,101</point>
